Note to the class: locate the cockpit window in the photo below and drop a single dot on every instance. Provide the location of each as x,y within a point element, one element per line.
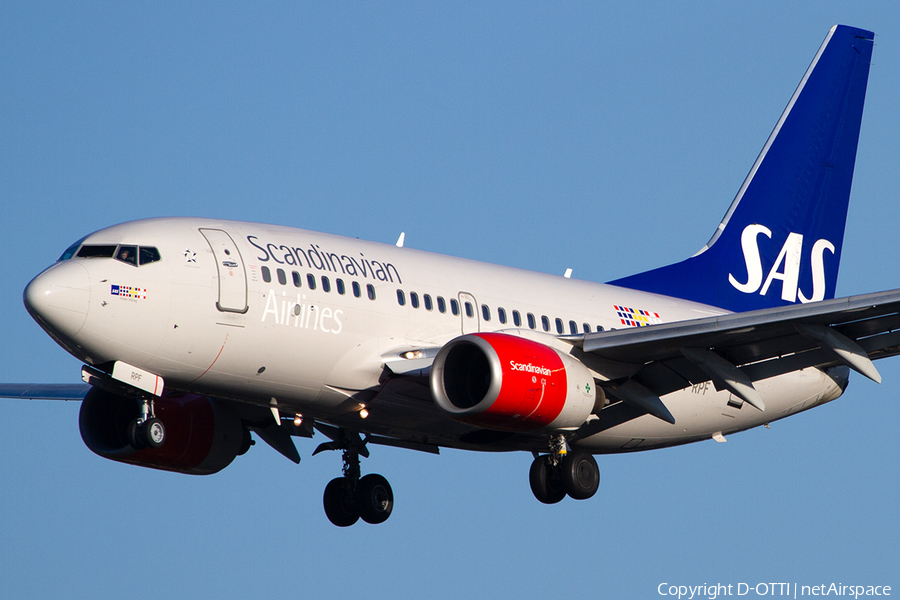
<point>133,255</point>
<point>149,254</point>
<point>127,254</point>
<point>89,251</point>
<point>70,251</point>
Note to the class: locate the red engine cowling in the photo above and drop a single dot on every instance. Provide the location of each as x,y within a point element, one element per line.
<point>505,382</point>
<point>203,436</point>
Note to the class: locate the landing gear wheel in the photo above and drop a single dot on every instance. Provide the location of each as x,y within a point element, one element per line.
<point>136,436</point>
<point>374,498</point>
<point>351,497</point>
<point>154,433</point>
<point>340,503</point>
<point>580,475</point>
<point>546,480</point>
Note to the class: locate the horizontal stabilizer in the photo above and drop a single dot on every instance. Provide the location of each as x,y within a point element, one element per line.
<point>44,391</point>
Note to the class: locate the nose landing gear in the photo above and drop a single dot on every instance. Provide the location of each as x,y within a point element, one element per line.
<point>146,431</point>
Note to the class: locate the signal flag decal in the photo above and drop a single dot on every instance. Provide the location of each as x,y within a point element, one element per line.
<point>636,317</point>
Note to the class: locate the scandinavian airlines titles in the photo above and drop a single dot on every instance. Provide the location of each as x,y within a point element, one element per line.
<point>297,313</point>
<point>530,368</point>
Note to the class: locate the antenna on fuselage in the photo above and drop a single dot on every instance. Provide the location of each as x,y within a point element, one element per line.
<point>400,239</point>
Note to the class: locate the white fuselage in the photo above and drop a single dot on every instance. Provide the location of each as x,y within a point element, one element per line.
<point>229,310</point>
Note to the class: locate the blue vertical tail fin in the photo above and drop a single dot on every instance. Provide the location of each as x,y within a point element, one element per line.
<point>780,241</point>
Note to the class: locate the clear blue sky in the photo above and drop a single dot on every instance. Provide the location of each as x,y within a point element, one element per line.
<point>539,135</point>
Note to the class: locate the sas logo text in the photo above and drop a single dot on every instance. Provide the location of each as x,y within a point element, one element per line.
<point>786,268</point>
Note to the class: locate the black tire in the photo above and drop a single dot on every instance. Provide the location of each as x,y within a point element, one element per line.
<point>340,503</point>
<point>546,481</point>
<point>154,433</point>
<point>136,436</point>
<point>580,475</point>
<point>374,498</point>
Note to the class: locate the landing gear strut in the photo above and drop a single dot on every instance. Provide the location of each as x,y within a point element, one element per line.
<point>351,497</point>
<point>553,476</point>
<point>146,431</point>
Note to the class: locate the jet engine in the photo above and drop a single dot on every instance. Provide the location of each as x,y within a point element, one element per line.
<point>508,383</point>
<point>202,435</point>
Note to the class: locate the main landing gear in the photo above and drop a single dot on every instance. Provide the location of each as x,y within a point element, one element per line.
<point>146,431</point>
<point>351,497</point>
<point>560,473</point>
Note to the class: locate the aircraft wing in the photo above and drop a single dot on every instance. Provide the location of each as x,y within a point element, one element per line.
<point>736,349</point>
<point>44,391</point>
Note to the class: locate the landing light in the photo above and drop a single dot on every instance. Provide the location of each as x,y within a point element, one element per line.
<point>412,354</point>
<point>298,420</point>
<point>363,413</point>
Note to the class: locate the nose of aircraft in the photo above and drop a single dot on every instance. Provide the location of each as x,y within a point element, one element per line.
<point>58,298</point>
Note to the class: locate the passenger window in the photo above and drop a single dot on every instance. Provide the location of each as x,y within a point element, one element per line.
<point>545,322</point>
<point>531,324</point>
<point>573,327</point>
<point>282,278</point>
<point>326,284</point>
<point>442,305</point>
<point>370,289</point>
<point>599,327</point>
<point>311,281</point>
<point>340,286</point>
<point>296,277</point>
<point>470,310</point>
<point>517,318</point>
<point>501,314</point>
<point>414,299</point>
<point>486,312</point>
<point>127,254</point>
<point>454,307</point>
<point>356,291</point>
<point>401,297</point>
<point>427,299</point>
<point>148,254</point>
<point>559,325</point>
<point>586,327</point>
<point>267,275</point>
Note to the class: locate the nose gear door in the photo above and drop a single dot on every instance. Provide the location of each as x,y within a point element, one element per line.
<point>231,274</point>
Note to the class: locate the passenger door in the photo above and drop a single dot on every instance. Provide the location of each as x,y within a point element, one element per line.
<point>231,274</point>
<point>468,311</point>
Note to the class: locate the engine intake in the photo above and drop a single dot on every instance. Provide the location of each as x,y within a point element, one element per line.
<point>504,382</point>
<point>203,436</point>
